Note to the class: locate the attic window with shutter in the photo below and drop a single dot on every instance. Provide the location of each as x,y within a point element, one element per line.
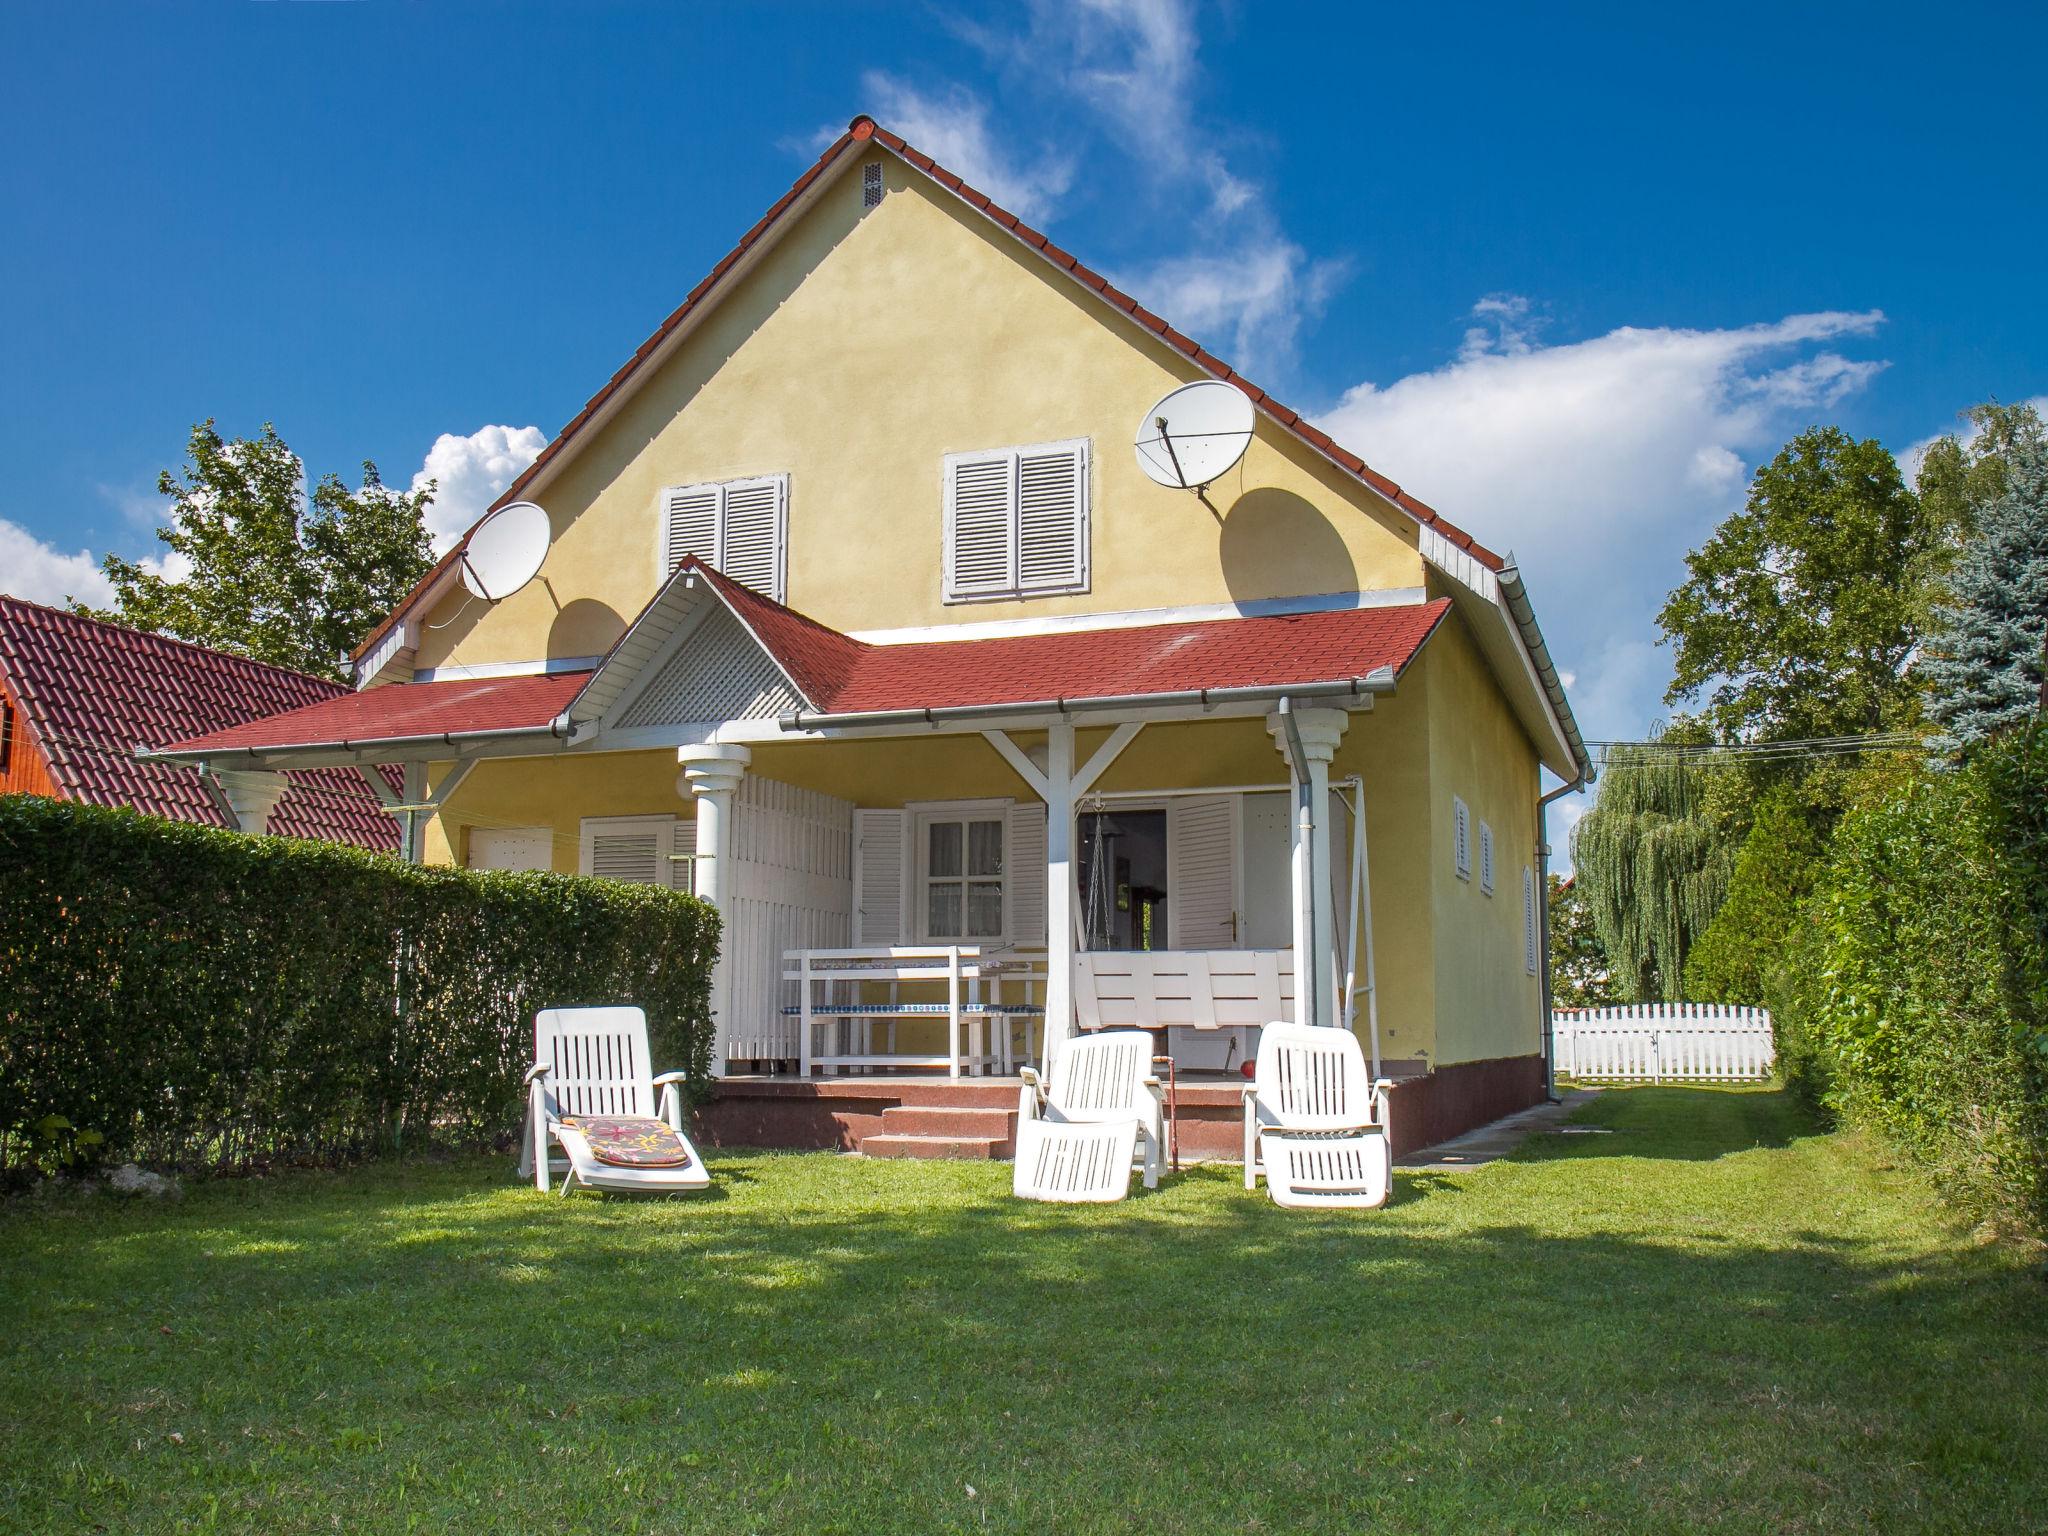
<point>1017,522</point>
<point>871,185</point>
<point>1461,838</point>
<point>740,527</point>
<point>1486,857</point>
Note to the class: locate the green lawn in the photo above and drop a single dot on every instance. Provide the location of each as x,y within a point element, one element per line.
<point>1711,1319</point>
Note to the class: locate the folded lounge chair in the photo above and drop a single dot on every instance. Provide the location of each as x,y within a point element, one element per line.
<point>1078,1135</point>
<point>1314,1123</point>
<point>591,1093</point>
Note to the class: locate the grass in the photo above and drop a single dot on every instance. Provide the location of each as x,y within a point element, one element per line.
<point>1711,1319</point>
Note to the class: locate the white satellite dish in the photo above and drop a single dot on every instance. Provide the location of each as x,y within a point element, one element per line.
<point>505,551</point>
<point>1193,435</point>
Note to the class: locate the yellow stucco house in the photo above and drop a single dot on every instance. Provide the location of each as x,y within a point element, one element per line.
<point>858,617</point>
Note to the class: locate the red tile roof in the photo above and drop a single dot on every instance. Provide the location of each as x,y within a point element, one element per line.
<point>405,712</point>
<point>861,130</point>
<point>837,674</point>
<point>841,675</point>
<point>92,693</point>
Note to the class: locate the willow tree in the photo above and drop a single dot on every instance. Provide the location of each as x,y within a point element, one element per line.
<point>1654,859</point>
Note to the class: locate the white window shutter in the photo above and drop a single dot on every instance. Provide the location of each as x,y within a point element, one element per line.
<point>682,865</point>
<point>1530,948</point>
<point>1201,872</point>
<point>756,513</point>
<point>689,525</point>
<point>1486,857</point>
<point>980,526</point>
<point>1461,838</point>
<point>635,849</point>
<point>1052,519</point>
<point>878,848</point>
<point>1024,874</point>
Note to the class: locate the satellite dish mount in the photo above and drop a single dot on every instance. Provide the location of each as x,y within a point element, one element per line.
<point>1195,435</point>
<point>504,551</point>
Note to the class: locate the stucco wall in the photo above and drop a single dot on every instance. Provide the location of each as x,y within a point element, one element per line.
<point>1486,1000</point>
<point>866,347</point>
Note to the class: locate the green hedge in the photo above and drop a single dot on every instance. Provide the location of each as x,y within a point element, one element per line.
<point>195,998</point>
<point>1917,998</point>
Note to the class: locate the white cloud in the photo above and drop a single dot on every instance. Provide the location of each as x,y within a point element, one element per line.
<point>951,125</point>
<point>42,573</point>
<point>470,472</point>
<point>1250,303</point>
<point>1601,462</point>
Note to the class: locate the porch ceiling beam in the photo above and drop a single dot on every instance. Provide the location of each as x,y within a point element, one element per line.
<point>1026,770</point>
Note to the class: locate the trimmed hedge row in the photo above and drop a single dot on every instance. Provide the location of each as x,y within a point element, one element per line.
<point>192,997</point>
<point>1915,997</point>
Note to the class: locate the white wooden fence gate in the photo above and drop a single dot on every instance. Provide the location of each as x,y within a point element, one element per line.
<point>1664,1043</point>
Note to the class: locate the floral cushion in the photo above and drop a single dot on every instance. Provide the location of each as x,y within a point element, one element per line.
<point>631,1141</point>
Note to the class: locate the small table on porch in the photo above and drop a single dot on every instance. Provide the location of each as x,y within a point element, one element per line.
<point>832,986</point>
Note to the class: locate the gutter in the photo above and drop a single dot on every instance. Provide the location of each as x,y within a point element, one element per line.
<point>1516,595</point>
<point>559,727</point>
<point>1375,682</point>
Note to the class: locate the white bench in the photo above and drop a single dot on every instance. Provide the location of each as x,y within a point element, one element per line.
<point>1200,989</point>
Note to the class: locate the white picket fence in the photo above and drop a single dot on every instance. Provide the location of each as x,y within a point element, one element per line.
<point>1664,1043</point>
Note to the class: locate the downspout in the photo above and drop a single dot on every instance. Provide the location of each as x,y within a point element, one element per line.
<point>1546,999</point>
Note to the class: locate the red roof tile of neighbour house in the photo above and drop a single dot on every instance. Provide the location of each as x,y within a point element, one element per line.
<point>862,130</point>
<point>838,675</point>
<point>405,712</point>
<point>91,693</point>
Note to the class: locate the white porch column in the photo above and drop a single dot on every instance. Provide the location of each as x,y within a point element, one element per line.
<point>252,796</point>
<point>1319,731</point>
<point>1059,887</point>
<point>711,774</point>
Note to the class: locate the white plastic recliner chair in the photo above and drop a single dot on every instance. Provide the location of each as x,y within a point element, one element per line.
<point>1314,1122</point>
<point>592,1094</point>
<point>1102,1110</point>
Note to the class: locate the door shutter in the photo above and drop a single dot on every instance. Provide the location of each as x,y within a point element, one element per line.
<point>689,525</point>
<point>1201,873</point>
<point>980,553</point>
<point>754,520</point>
<point>1024,871</point>
<point>878,848</point>
<point>635,849</point>
<point>1052,519</point>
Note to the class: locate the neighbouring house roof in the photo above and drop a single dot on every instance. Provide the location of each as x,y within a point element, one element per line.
<point>864,130</point>
<point>91,693</point>
<point>837,675</point>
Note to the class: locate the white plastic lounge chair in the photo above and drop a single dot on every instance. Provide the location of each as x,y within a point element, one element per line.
<point>1078,1135</point>
<point>1313,1122</point>
<point>591,1093</point>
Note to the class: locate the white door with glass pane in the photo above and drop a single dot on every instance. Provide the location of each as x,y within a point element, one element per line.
<point>961,872</point>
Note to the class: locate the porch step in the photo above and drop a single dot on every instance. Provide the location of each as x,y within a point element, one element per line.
<point>945,1120</point>
<point>959,1148</point>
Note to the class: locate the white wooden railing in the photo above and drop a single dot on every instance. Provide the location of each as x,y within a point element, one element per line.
<point>1664,1043</point>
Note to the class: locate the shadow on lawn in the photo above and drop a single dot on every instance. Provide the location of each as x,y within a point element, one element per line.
<point>1680,1124</point>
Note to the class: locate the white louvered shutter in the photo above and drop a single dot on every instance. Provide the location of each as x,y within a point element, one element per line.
<point>1201,872</point>
<point>682,864</point>
<point>752,541</point>
<point>1486,857</point>
<point>1024,872</point>
<point>1461,838</point>
<point>690,515</point>
<point>630,848</point>
<point>980,527</point>
<point>878,846</point>
<point>1052,519</point>
<point>1530,948</point>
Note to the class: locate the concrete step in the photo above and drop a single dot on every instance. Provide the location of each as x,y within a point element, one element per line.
<point>940,1120</point>
<point>959,1148</point>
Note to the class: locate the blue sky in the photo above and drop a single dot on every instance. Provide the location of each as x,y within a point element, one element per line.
<point>1569,274</point>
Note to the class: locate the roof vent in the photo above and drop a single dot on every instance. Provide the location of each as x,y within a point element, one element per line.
<point>871,184</point>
